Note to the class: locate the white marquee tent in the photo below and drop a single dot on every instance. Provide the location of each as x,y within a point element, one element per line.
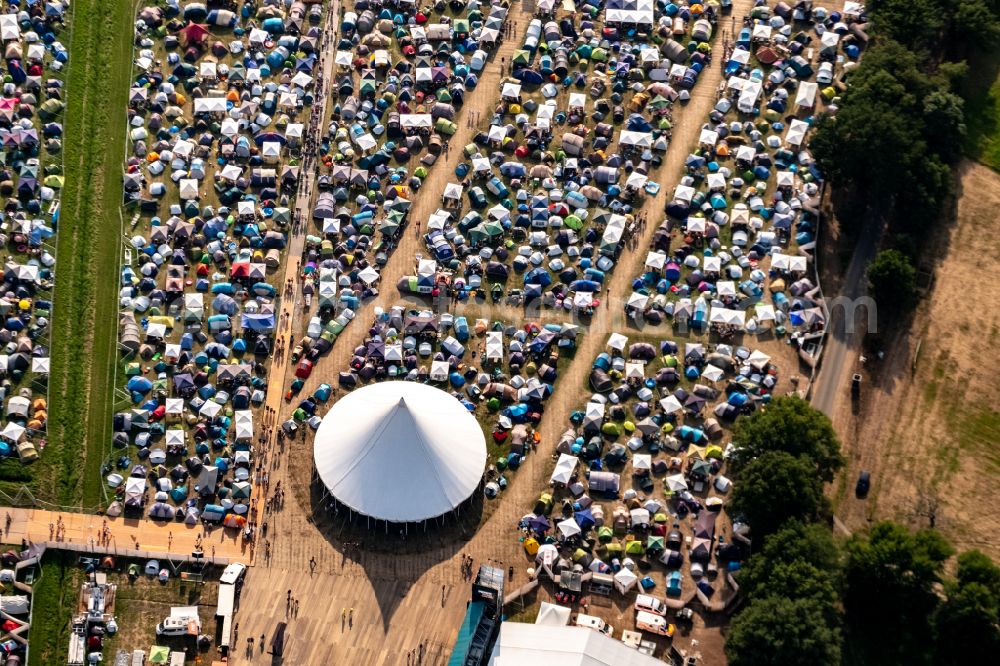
<point>520,644</point>
<point>415,453</point>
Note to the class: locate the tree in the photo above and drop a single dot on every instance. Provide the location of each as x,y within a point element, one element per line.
<point>893,281</point>
<point>890,577</point>
<point>797,561</point>
<point>974,22</point>
<point>968,621</point>
<point>914,23</point>
<point>882,141</point>
<point>944,113</point>
<point>792,425</point>
<point>975,567</point>
<point>774,488</point>
<point>790,632</point>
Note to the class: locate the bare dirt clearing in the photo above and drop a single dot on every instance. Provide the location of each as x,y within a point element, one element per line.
<point>926,427</point>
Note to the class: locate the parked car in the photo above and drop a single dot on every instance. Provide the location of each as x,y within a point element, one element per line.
<point>233,573</point>
<point>653,623</point>
<point>864,484</point>
<point>304,369</point>
<point>174,626</point>
<point>650,604</point>
<point>595,623</point>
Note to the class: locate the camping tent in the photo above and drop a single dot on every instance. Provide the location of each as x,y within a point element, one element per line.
<point>400,451</point>
<point>552,615</point>
<point>564,468</point>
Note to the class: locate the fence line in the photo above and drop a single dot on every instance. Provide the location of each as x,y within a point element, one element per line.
<point>174,559</point>
<point>25,498</point>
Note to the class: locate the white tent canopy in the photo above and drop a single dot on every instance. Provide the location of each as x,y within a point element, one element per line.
<point>414,120</point>
<point>727,316</point>
<point>244,424</point>
<point>564,468</point>
<point>521,644</point>
<point>617,341</point>
<point>625,580</point>
<point>788,262</point>
<point>637,139</point>
<point>568,527</point>
<point>13,432</point>
<point>494,346</point>
<point>656,260</point>
<point>671,404</point>
<point>400,451</point>
<point>796,133</point>
<point>553,615</point>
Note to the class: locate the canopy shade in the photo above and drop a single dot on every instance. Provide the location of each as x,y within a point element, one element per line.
<point>400,451</point>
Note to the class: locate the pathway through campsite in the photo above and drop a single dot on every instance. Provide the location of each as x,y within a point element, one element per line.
<point>364,607</point>
<point>92,534</point>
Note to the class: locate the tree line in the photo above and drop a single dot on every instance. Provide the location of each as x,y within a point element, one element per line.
<point>876,598</point>
<point>900,124</point>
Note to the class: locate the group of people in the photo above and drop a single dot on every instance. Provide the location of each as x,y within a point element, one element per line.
<point>57,530</point>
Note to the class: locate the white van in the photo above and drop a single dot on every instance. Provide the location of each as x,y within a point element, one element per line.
<point>232,573</point>
<point>595,623</point>
<point>653,623</point>
<point>650,604</point>
<point>176,626</point>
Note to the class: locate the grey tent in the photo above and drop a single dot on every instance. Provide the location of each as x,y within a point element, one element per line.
<point>605,482</point>
<point>130,337</point>
<point>325,206</point>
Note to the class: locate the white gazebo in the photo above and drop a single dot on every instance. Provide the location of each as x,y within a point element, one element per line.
<point>400,452</point>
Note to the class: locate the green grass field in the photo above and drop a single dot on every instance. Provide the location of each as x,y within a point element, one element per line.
<point>54,599</point>
<point>84,321</point>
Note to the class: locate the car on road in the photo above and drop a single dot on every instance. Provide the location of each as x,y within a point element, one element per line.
<point>864,484</point>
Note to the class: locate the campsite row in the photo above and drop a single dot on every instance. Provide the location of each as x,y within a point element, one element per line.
<point>219,116</point>
<point>733,253</point>
<point>551,185</point>
<point>31,178</point>
<point>401,72</point>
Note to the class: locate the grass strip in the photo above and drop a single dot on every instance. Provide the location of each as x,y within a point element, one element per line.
<point>84,319</point>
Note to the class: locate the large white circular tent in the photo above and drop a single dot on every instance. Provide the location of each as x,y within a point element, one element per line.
<point>400,452</point>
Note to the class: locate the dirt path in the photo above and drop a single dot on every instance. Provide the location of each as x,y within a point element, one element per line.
<point>303,207</point>
<point>402,590</point>
<point>926,428</point>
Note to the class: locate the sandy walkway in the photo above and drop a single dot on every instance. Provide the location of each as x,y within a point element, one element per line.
<point>129,537</point>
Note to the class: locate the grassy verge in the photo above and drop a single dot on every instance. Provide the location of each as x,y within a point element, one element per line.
<point>982,110</point>
<point>84,322</point>
<point>54,598</point>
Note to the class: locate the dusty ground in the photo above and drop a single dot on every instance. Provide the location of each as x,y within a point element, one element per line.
<point>926,427</point>
<point>141,604</point>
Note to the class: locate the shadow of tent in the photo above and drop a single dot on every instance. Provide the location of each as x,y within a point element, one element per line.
<point>394,557</point>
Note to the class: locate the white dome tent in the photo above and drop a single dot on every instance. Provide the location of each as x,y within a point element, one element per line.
<point>400,452</point>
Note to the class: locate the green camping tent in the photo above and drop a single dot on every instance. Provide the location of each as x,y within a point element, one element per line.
<point>159,654</point>
<point>634,548</point>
